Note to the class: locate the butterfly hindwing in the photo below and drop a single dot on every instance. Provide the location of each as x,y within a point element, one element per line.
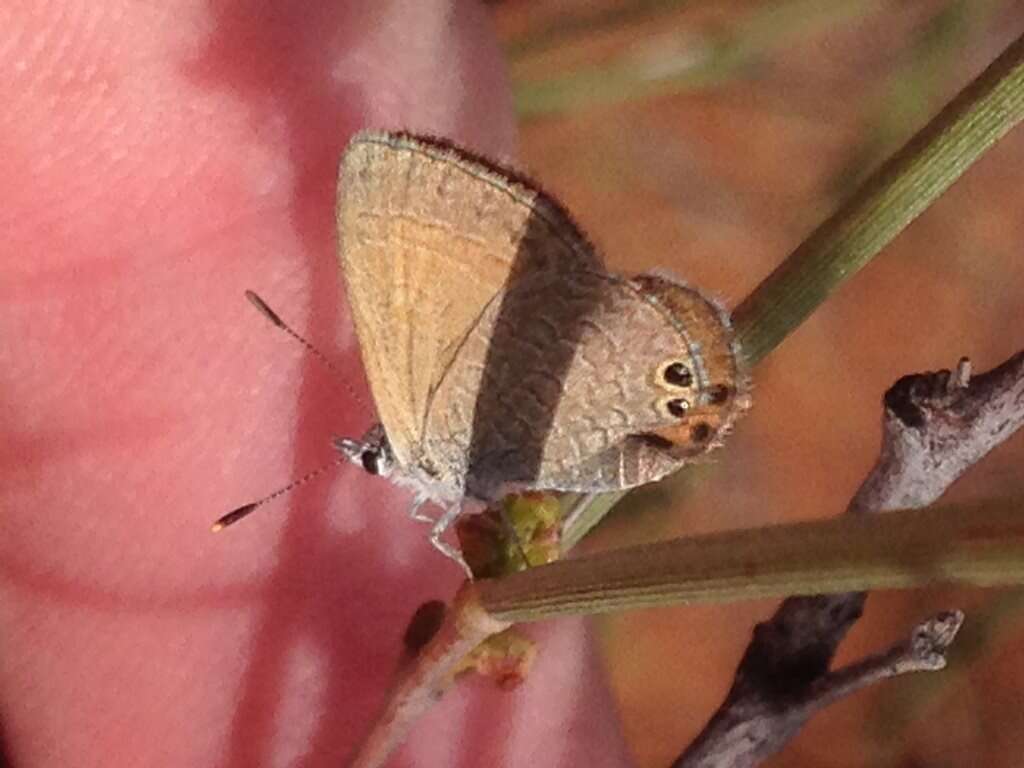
<point>585,382</point>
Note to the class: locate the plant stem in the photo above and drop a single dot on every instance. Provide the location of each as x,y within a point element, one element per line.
<point>980,546</point>
<point>895,195</point>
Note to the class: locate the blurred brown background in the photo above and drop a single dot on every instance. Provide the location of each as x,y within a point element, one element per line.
<point>707,139</point>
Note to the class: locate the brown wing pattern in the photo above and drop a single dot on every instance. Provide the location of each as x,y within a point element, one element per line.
<point>592,382</point>
<point>428,235</point>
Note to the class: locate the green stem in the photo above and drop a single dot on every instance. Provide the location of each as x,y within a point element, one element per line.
<point>583,512</point>
<point>979,546</point>
<point>670,62</point>
<point>895,195</point>
<point>567,28</point>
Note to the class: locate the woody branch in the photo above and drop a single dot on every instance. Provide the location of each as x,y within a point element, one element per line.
<point>935,427</point>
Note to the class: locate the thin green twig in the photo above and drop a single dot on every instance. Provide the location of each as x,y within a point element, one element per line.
<point>674,62</point>
<point>896,194</point>
<point>979,546</point>
<point>567,28</point>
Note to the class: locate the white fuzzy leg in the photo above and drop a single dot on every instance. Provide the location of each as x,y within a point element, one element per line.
<point>414,511</point>
<point>442,524</point>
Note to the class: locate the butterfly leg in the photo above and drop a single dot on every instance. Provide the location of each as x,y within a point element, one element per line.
<point>415,514</point>
<point>442,524</point>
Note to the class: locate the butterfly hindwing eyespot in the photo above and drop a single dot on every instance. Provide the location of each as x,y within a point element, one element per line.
<point>718,394</point>
<point>677,375</point>
<point>677,407</point>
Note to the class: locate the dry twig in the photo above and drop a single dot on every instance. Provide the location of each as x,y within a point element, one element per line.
<point>935,426</point>
<point>464,626</point>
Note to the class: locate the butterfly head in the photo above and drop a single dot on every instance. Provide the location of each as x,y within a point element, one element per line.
<point>373,453</point>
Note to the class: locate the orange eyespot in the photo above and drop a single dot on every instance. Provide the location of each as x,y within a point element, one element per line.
<point>684,439</point>
<point>718,394</point>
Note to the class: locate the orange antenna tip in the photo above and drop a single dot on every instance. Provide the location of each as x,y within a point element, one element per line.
<point>233,517</point>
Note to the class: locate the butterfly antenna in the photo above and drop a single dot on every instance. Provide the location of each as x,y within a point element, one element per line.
<point>245,510</point>
<point>273,317</point>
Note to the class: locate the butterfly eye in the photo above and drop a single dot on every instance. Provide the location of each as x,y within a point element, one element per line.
<point>369,460</point>
<point>700,432</point>
<point>718,394</point>
<point>677,407</point>
<point>678,375</point>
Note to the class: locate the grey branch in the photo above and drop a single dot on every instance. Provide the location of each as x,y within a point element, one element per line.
<point>923,651</point>
<point>935,427</point>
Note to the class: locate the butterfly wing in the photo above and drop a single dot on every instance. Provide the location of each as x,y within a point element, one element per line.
<point>592,382</point>
<point>675,386</point>
<point>428,235</point>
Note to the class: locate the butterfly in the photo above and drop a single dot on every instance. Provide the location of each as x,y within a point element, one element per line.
<point>501,355</point>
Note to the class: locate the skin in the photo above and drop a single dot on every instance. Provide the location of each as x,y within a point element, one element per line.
<point>159,159</point>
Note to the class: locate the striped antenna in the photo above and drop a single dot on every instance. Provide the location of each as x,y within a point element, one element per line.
<point>245,510</point>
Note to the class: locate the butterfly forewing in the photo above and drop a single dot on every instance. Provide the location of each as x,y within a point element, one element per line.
<point>428,236</point>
